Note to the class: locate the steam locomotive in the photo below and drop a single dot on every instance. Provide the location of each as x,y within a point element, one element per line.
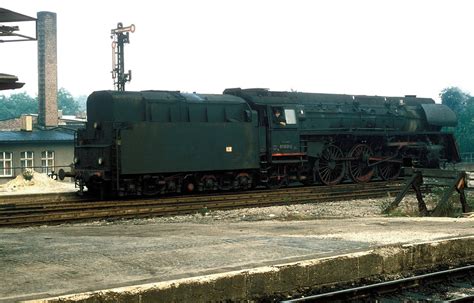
<point>155,142</point>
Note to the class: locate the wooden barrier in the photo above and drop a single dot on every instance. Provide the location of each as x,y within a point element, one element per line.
<point>451,180</point>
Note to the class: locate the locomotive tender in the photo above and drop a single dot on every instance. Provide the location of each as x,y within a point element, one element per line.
<point>153,142</point>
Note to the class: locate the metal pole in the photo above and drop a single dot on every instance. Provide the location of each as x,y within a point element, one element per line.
<point>120,36</point>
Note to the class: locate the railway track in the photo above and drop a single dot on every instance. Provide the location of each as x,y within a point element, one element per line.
<point>31,210</point>
<point>452,285</point>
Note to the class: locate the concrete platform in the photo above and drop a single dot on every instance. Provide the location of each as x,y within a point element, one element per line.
<point>146,261</point>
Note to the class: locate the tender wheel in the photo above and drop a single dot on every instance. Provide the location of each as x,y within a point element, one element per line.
<point>189,185</point>
<point>389,170</point>
<point>243,181</point>
<point>359,169</point>
<point>226,182</point>
<point>208,182</point>
<point>329,167</point>
<point>150,186</point>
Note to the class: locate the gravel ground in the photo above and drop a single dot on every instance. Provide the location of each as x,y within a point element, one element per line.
<point>355,209</point>
<point>310,211</point>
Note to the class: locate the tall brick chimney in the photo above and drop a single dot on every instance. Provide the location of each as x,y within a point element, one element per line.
<point>47,69</point>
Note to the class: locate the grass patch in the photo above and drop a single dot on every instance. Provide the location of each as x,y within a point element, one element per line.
<point>204,211</point>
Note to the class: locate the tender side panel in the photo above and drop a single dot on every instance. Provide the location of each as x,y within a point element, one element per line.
<point>188,147</point>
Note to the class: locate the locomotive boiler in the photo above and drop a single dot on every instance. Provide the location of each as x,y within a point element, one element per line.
<point>153,142</point>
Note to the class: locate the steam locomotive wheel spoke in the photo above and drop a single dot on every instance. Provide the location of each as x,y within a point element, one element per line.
<point>389,170</point>
<point>359,169</point>
<point>329,168</point>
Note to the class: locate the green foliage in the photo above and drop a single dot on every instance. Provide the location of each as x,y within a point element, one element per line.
<point>22,103</point>
<point>17,104</point>
<point>465,128</point>
<point>82,102</point>
<point>454,98</point>
<point>463,105</point>
<point>470,201</point>
<point>203,211</point>
<point>67,103</point>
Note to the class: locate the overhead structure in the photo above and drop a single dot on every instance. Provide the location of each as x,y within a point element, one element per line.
<point>120,36</point>
<point>10,33</point>
<point>9,82</point>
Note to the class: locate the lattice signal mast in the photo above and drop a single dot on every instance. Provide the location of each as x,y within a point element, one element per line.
<point>120,36</point>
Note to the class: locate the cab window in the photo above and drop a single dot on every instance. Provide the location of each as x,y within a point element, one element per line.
<point>290,116</point>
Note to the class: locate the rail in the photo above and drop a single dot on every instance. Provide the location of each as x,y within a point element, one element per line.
<point>374,292</point>
<point>53,212</point>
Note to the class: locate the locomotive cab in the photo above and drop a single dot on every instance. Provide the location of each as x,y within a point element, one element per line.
<point>283,130</point>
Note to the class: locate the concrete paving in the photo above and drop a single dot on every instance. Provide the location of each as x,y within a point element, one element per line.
<point>42,262</point>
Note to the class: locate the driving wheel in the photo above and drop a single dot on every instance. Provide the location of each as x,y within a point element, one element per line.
<point>359,169</point>
<point>329,167</point>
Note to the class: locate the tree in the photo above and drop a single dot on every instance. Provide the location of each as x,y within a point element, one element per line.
<point>463,105</point>
<point>67,103</point>
<point>17,104</point>
<point>454,98</point>
<point>22,103</point>
<point>82,101</point>
<point>465,128</point>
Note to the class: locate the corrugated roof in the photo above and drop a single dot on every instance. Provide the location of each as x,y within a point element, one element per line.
<point>36,136</point>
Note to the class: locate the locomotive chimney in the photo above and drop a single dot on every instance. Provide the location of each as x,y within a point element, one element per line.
<point>47,69</point>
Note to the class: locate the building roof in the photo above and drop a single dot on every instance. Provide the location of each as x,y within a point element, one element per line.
<point>9,82</point>
<point>72,118</point>
<point>11,16</point>
<point>37,136</point>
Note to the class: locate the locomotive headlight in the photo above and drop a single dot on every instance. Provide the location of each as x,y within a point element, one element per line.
<point>96,125</point>
<point>100,161</point>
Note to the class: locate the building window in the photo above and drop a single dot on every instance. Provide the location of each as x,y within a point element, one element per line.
<point>47,161</point>
<point>6,164</point>
<point>26,160</point>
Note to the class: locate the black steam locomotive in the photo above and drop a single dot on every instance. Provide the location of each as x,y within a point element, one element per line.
<point>153,142</point>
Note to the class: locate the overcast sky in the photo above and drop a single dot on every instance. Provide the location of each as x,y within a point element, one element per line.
<point>354,47</point>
